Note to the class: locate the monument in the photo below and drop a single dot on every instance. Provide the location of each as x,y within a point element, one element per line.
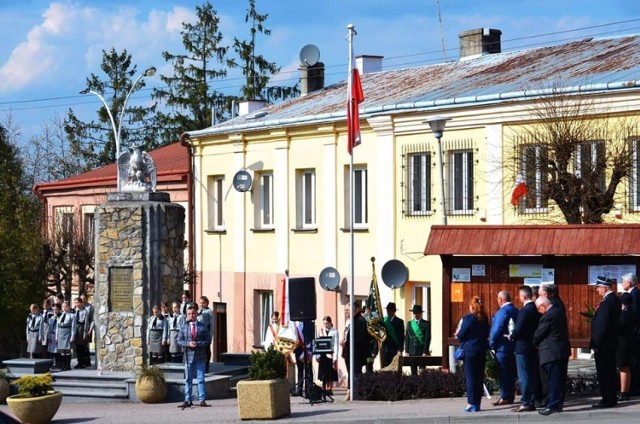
<point>139,261</point>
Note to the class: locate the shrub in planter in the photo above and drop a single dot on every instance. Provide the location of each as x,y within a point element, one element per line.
<point>394,386</point>
<point>36,401</point>
<point>266,394</point>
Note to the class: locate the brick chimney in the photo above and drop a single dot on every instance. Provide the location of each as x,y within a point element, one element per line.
<point>367,64</point>
<point>477,42</point>
<point>311,78</point>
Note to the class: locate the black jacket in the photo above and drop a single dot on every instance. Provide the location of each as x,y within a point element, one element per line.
<point>605,324</point>
<point>389,345</point>
<point>526,325</point>
<point>552,336</point>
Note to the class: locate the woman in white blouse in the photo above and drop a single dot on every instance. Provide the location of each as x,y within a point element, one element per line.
<point>328,362</point>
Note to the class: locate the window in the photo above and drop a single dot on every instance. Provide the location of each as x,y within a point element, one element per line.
<point>360,210</point>
<point>635,176</point>
<point>534,170</point>
<point>306,199</point>
<point>215,202</point>
<point>419,183</point>
<point>264,211</point>
<point>89,230</point>
<point>264,299</point>
<point>461,182</point>
<point>590,162</point>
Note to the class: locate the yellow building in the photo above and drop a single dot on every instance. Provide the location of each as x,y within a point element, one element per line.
<point>295,217</point>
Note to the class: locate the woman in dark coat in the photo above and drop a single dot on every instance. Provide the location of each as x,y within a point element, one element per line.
<point>624,353</point>
<point>473,335</point>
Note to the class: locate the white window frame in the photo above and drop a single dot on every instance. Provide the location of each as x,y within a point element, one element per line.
<point>360,202</point>
<point>466,175</point>
<point>215,203</point>
<point>635,176</point>
<point>535,184</point>
<point>594,157</point>
<point>264,205</point>
<point>306,199</point>
<point>265,310</point>
<point>419,183</point>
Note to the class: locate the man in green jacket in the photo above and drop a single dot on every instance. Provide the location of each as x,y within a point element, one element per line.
<point>418,337</point>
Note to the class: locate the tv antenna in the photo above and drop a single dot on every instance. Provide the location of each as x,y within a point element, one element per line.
<point>444,54</point>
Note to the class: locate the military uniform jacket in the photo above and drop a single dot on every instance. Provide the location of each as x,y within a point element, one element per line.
<point>34,328</point>
<point>44,329</point>
<point>157,333</point>
<point>552,336</point>
<point>605,324</point>
<point>66,330</point>
<point>202,339</point>
<point>175,321</point>
<point>389,345</point>
<point>412,343</point>
<point>52,325</point>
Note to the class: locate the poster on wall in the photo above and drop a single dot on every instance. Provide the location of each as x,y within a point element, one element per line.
<point>478,270</point>
<point>461,275</point>
<point>614,272</point>
<point>548,276</point>
<point>530,281</point>
<point>526,270</point>
<point>457,293</point>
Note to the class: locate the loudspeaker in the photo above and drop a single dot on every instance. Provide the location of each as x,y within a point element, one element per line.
<point>302,299</point>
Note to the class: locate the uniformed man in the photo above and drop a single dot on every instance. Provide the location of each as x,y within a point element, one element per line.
<point>89,327</point>
<point>205,316</point>
<point>394,342</point>
<point>83,324</point>
<point>418,337</point>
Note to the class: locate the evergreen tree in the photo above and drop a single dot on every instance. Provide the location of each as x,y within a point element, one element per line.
<point>95,140</point>
<point>256,69</point>
<point>188,94</point>
<point>20,250</point>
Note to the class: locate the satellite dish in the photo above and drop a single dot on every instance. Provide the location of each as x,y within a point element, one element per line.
<point>242,181</point>
<point>309,55</point>
<point>329,278</point>
<point>394,274</point>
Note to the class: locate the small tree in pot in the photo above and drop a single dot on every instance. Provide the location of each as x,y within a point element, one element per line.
<point>266,394</point>
<point>36,401</point>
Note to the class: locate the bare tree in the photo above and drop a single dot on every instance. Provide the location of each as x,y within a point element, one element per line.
<point>575,154</point>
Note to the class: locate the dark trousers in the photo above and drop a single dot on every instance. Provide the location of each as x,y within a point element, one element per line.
<point>473,366</point>
<point>207,364</point>
<point>527,369</point>
<point>387,357</point>
<point>607,375</point>
<point>556,382</point>
<point>506,375</point>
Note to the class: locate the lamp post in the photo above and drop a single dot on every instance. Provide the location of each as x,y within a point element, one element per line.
<point>149,72</point>
<point>437,124</point>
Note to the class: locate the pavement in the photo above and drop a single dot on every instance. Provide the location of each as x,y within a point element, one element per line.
<point>449,410</point>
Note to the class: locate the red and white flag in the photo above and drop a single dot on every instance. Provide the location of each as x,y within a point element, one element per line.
<point>520,190</point>
<point>284,315</point>
<point>356,96</point>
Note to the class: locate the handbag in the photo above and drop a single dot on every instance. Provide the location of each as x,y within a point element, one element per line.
<point>459,353</point>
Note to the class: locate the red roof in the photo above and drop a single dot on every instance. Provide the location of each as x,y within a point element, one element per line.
<point>171,161</point>
<point>512,240</point>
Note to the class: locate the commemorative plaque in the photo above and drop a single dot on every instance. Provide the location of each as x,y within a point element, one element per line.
<point>121,289</point>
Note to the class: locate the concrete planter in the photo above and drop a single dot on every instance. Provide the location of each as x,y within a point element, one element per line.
<point>35,410</point>
<point>263,399</point>
<point>150,391</point>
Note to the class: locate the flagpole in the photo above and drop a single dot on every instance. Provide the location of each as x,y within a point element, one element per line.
<point>352,32</point>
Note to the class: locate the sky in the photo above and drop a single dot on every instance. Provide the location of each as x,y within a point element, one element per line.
<point>49,48</point>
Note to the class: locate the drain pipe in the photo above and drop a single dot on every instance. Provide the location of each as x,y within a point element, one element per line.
<point>185,141</point>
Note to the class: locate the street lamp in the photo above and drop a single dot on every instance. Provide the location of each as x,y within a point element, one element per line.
<point>149,72</point>
<point>437,124</point>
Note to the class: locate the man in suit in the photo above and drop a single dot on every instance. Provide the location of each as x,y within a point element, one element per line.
<point>195,339</point>
<point>526,353</point>
<point>418,337</point>
<point>504,347</point>
<point>552,339</point>
<point>629,284</point>
<point>361,347</point>
<point>394,342</point>
<point>604,341</point>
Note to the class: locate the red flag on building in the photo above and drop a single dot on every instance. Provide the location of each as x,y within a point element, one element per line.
<point>356,97</point>
<point>519,190</point>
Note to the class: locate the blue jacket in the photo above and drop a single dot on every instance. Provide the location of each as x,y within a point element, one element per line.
<point>473,334</point>
<point>500,327</point>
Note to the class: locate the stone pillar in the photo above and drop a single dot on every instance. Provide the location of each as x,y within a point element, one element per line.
<point>139,262</point>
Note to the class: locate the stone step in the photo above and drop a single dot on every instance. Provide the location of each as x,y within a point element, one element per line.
<point>230,358</point>
<point>23,366</point>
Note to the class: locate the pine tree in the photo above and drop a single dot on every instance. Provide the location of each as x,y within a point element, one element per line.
<point>188,93</point>
<point>95,140</point>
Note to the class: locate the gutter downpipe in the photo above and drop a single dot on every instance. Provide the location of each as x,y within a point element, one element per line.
<point>184,141</point>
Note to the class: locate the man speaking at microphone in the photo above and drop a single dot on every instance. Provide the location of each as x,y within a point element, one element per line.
<point>195,339</point>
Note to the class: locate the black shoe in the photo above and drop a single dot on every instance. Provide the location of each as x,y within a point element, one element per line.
<point>624,397</point>
<point>78,367</point>
<point>185,404</point>
<point>601,405</point>
<point>203,403</point>
<point>548,411</point>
